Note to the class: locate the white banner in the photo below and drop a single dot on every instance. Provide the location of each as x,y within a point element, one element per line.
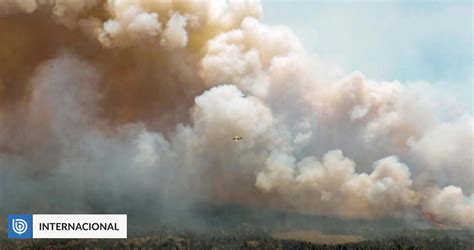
<point>79,226</point>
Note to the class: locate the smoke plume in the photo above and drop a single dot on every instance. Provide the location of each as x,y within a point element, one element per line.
<point>130,106</point>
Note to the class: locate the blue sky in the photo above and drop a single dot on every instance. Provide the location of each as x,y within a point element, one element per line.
<point>405,41</point>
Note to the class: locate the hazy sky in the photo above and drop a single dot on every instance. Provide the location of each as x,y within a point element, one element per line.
<point>405,41</point>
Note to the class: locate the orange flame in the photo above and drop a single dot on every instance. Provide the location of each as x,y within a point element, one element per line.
<point>430,218</point>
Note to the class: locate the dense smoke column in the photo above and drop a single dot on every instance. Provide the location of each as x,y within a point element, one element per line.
<point>131,106</point>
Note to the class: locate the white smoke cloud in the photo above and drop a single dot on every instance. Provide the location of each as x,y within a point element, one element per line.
<point>335,188</point>
<point>452,206</point>
<point>175,36</point>
<point>447,149</point>
<point>130,25</point>
<point>64,12</point>
<point>138,101</point>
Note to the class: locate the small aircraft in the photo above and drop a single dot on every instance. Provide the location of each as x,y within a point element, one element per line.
<point>237,138</point>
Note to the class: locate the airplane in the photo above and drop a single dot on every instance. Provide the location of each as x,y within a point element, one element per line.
<point>237,138</point>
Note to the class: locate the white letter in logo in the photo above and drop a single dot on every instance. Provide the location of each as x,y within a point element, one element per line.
<point>19,226</point>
